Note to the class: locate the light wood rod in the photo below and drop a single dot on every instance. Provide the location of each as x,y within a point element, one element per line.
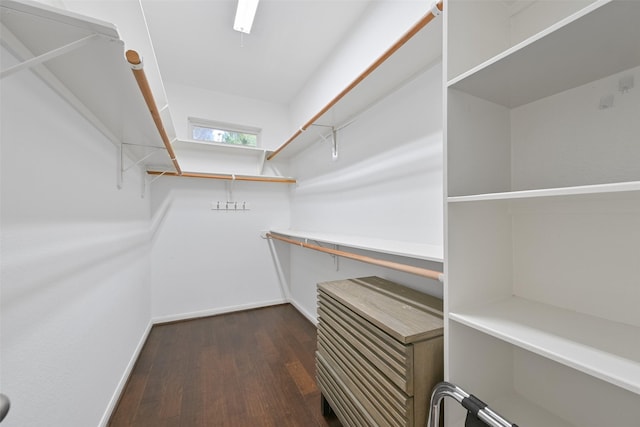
<point>397,45</point>
<point>143,83</point>
<point>225,177</point>
<point>431,274</point>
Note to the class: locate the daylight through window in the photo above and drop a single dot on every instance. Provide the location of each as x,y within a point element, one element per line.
<point>224,134</point>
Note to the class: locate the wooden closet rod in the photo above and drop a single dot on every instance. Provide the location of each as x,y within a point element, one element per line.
<point>226,177</point>
<point>143,83</point>
<point>397,45</point>
<point>431,274</point>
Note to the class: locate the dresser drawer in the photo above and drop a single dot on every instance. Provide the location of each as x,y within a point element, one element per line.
<point>393,359</point>
<point>360,401</point>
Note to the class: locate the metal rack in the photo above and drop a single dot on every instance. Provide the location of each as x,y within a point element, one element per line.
<point>479,413</point>
<point>5,404</point>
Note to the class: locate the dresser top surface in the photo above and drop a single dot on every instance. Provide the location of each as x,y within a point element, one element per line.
<point>404,313</point>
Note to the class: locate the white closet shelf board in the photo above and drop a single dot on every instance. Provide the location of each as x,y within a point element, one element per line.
<point>224,161</point>
<point>225,176</point>
<point>96,74</point>
<point>542,65</point>
<point>406,249</point>
<point>622,187</point>
<point>527,413</point>
<point>238,150</point>
<point>418,53</point>
<point>601,348</point>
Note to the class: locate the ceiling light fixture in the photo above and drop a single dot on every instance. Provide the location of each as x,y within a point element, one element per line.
<point>245,13</point>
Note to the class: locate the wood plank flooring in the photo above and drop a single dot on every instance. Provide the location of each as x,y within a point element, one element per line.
<point>250,368</point>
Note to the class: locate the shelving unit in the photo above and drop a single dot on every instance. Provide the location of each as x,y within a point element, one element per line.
<point>419,47</point>
<point>543,209</point>
<point>509,79</point>
<point>93,77</point>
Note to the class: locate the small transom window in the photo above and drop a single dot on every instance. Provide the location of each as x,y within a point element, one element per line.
<point>223,133</point>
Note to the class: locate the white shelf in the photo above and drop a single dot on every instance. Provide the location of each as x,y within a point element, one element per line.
<point>600,40</point>
<point>417,54</point>
<point>96,74</point>
<point>518,410</point>
<point>226,160</point>
<point>603,349</point>
<point>524,413</point>
<point>225,176</point>
<point>621,187</point>
<point>217,147</point>
<point>391,247</point>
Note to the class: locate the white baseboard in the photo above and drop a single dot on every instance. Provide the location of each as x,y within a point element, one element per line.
<point>125,377</point>
<point>213,312</point>
<point>311,317</point>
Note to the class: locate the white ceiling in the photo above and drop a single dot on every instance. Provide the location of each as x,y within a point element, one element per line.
<point>196,45</point>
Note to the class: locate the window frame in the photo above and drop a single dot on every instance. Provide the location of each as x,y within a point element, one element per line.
<point>225,127</point>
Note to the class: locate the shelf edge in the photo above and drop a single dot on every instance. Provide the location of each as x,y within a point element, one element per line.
<point>535,346</point>
<point>226,176</point>
<point>337,240</point>
<point>595,189</point>
<point>527,42</point>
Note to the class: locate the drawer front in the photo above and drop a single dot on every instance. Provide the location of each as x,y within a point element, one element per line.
<point>352,398</point>
<point>344,404</point>
<point>359,337</point>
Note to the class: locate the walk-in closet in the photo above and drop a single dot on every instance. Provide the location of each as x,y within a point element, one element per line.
<point>319,213</point>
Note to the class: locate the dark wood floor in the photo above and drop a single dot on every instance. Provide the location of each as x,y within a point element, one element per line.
<point>251,368</point>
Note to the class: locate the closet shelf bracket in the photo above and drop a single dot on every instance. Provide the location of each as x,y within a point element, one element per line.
<point>334,144</point>
<point>334,139</point>
<point>37,60</point>
<point>160,175</point>
<point>261,161</point>
<point>142,159</point>
<point>23,53</point>
<point>229,187</point>
<point>121,159</point>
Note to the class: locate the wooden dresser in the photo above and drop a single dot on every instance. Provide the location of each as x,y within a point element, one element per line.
<point>380,351</point>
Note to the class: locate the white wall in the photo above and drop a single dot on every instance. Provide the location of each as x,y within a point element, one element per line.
<point>308,268</point>
<point>187,101</point>
<point>74,300</point>
<point>206,261</point>
<point>387,180</point>
<point>386,183</point>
